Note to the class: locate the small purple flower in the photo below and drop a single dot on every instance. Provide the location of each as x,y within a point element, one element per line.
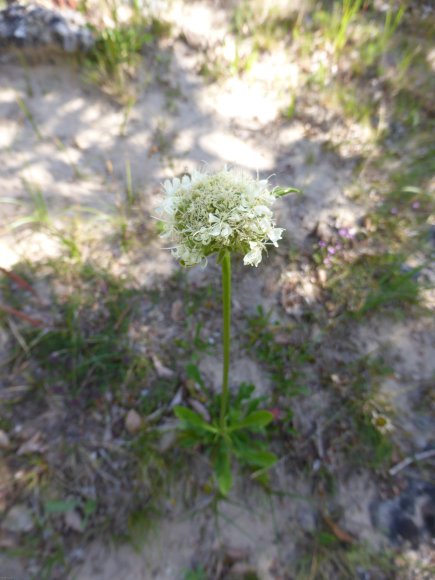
<point>327,261</point>
<point>346,233</point>
<point>343,232</point>
<point>331,250</point>
<point>338,247</point>
<point>416,205</point>
<point>394,210</point>
<point>322,244</point>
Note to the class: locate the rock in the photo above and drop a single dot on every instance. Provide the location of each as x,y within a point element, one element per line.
<point>4,440</point>
<point>133,422</point>
<point>18,519</point>
<point>74,521</point>
<point>408,517</point>
<point>32,26</point>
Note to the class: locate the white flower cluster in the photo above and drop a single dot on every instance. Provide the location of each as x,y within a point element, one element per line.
<point>207,213</point>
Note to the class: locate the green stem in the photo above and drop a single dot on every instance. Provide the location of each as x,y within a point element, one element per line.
<point>226,303</point>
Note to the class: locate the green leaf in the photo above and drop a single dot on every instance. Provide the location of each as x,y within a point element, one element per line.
<point>258,458</point>
<point>193,419</point>
<point>282,191</point>
<point>254,420</point>
<point>59,506</point>
<point>193,373</point>
<point>222,467</point>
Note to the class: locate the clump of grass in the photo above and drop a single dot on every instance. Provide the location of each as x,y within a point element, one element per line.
<point>336,23</point>
<point>374,282</point>
<point>265,26</point>
<point>87,351</point>
<point>361,434</point>
<point>284,362</point>
<point>407,205</point>
<point>113,62</point>
<point>354,103</point>
<point>327,556</point>
<point>40,218</point>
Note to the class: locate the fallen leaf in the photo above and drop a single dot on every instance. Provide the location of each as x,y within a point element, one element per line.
<point>200,409</point>
<point>4,440</point>
<point>177,311</point>
<point>177,400</point>
<point>19,281</point>
<point>19,314</point>
<point>337,531</point>
<point>162,371</point>
<point>33,445</point>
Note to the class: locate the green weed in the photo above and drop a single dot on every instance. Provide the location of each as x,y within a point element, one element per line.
<point>241,437</point>
<point>365,439</point>
<point>289,112</point>
<point>30,118</point>
<point>197,573</point>
<point>328,557</point>
<point>41,218</point>
<point>265,26</point>
<point>284,362</point>
<point>87,352</point>
<point>374,282</point>
<point>354,104</point>
<point>379,38</point>
<point>114,59</point>
<point>335,24</point>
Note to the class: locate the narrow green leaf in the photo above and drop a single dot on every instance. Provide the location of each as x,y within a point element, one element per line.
<point>255,420</point>
<point>222,466</point>
<point>194,373</point>
<point>193,419</point>
<point>263,459</point>
<point>59,506</point>
<point>282,191</point>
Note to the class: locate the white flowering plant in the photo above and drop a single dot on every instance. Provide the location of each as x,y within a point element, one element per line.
<point>225,213</point>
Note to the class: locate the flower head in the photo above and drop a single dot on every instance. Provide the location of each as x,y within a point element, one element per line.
<point>381,422</point>
<point>229,210</point>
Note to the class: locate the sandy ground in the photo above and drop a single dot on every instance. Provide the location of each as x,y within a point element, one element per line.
<point>178,123</point>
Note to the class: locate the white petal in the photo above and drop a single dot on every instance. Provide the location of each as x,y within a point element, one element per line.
<point>168,186</point>
<point>196,176</point>
<point>262,210</point>
<point>275,234</point>
<point>253,258</point>
<point>215,230</point>
<point>226,230</point>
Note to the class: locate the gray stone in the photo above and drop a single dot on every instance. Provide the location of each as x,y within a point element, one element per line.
<point>18,519</point>
<point>30,26</point>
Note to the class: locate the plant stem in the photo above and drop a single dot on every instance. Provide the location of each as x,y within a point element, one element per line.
<point>226,304</point>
